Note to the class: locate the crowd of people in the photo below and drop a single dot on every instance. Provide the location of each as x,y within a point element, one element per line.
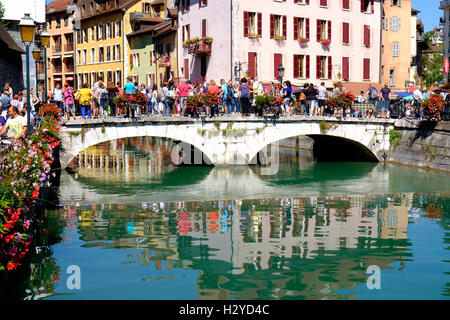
<point>233,98</point>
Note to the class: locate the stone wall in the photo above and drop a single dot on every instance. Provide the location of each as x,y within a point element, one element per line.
<point>421,144</point>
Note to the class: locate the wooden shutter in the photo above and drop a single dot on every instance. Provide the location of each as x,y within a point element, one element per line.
<point>307,2</point>
<point>277,57</point>
<point>183,35</point>
<point>307,28</point>
<point>372,6</point>
<point>362,5</point>
<point>318,30</point>
<point>245,24</point>
<point>346,33</point>
<point>186,69</point>
<point>188,5</point>
<point>330,68</point>
<point>260,24</point>
<point>345,68</point>
<point>307,68</point>
<point>188,31</point>
<point>296,75</point>
<point>285,27</point>
<point>252,64</point>
<point>323,3</point>
<point>367,35</point>
<point>366,69</point>
<point>131,60</point>
<point>329,30</point>
<point>139,59</point>
<point>204,28</point>
<point>346,4</point>
<point>318,67</point>
<point>272,26</point>
<point>295,29</point>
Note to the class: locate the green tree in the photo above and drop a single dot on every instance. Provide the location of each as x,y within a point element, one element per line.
<point>2,13</point>
<point>432,69</point>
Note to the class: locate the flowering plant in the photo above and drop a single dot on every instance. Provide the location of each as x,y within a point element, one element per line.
<point>121,101</point>
<point>25,167</point>
<point>298,107</point>
<point>344,101</point>
<point>195,101</point>
<point>210,99</point>
<point>325,42</point>
<point>433,106</point>
<point>137,99</point>
<point>303,40</point>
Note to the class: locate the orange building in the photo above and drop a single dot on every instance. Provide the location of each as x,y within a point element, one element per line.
<point>60,54</point>
<point>396,44</point>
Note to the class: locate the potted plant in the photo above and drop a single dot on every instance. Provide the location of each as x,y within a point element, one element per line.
<point>303,40</point>
<point>325,42</point>
<point>433,106</point>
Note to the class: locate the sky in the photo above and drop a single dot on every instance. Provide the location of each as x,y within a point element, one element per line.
<point>429,12</point>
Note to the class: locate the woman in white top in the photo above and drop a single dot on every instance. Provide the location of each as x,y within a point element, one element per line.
<point>156,99</point>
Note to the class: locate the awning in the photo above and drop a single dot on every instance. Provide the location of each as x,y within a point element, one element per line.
<point>69,79</point>
<point>57,79</point>
<point>403,94</point>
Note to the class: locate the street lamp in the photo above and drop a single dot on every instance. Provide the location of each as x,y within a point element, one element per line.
<point>45,41</point>
<point>281,73</point>
<point>26,26</point>
<point>36,56</point>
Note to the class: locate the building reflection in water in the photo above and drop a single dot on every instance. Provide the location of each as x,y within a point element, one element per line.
<point>129,160</point>
<point>252,249</point>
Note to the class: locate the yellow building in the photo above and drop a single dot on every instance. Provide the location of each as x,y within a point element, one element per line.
<point>396,44</point>
<point>100,40</point>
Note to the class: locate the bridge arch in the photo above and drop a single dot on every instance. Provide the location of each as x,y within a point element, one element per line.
<point>77,141</point>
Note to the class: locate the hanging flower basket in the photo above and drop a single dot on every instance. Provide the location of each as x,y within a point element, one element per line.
<point>325,42</point>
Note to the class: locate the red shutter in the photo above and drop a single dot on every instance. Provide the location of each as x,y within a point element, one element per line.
<point>260,24</point>
<point>183,35</point>
<point>330,68</point>
<point>277,57</point>
<point>251,63</point>
<point>285,27</point>
<point>346,4</point>
<point>188,31</point>
<point>204,28</point>
<point>188,5</point>
<point>296,75</point>
<point>372,6</point>
<point>245,24</point>
<point>186,69</point>
<point>295,28</point>
<point>318,67</point>
<point>323,3</point>
<point>307,28</point>
<point>346,33</point>
<point>131,60</point>
<point>307,2</point>
<point>329,30</point>
<point>345,68</point>
<point>362,5</point>
<point>318,30</point>
<point>295,1</point>
<point>307,67</point>
<point>272,26</point>
<point>367,35</point>
<point>366,69</point>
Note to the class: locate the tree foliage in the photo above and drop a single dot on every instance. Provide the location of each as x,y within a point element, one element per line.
<point>2,14</point>
<point>432,69</point>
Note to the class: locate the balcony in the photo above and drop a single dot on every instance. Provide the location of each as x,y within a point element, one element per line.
<point>57,69</point>
<point>70,68</point>
<point>146,15</point>
<point>164,61</point>
<point>68,47</point>
<point>56,49</point>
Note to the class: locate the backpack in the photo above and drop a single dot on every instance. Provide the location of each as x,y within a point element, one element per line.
<point>230,92</point>
<point>302,96</point>
<point>244,90</point>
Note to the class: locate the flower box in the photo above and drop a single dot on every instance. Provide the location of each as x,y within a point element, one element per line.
<point>204,47</point>
<point>325,42</point>
<point>303,40</point>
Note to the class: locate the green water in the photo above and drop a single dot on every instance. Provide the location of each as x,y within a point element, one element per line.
<point>149,230</point>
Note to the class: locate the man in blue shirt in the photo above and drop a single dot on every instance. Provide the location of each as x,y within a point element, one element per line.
<point>129,87</point>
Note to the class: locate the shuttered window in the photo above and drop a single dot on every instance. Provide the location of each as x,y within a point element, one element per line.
<point>346,4</point>
<point>366,36</point>
<point>345,33</point>
<point>366,69</point>
<point>252,64</point>
<point>277,58</point>
<point>345,68</point>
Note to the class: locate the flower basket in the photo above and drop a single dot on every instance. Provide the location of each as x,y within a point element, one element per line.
<point>343,101</point>
<point>325,42</point>
<point>210,99</point>
<point>433,106</point>
<point>303,40</point>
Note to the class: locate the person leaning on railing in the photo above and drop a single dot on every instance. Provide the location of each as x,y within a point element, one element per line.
<point>16,126</point>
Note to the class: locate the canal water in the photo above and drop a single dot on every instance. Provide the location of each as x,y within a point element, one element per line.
<point>131,225</point>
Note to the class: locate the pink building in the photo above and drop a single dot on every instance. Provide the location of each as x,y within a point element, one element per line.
<point>314,40</point>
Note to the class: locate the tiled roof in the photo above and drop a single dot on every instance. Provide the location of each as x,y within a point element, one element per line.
<point>57,6</point>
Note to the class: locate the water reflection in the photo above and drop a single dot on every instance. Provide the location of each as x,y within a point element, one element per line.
<point>290,248</point>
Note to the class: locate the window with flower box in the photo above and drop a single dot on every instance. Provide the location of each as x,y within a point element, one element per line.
<point>252,24</point>
<point>301,29</point>
<point>278,27</point>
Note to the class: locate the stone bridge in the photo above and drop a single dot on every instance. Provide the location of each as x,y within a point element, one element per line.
<point>233,141</point>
